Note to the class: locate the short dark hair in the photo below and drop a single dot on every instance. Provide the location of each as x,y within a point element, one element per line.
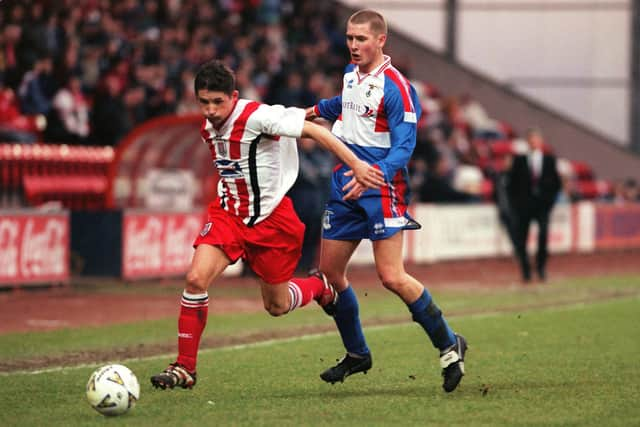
<point>215,76</point>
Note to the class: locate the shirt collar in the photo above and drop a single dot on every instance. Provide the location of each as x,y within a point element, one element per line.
<point>379,69</point>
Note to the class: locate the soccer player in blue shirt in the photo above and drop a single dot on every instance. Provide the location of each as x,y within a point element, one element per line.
<point>376,117</point>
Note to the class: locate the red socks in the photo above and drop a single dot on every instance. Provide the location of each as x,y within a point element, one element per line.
<point>304,290</point>
<point>193,318</point>
<point>195,308</point>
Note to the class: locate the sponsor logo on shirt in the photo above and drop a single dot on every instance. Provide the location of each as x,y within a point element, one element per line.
<point>229,169</point>
<point>361,110</point>
<point>368,112</point>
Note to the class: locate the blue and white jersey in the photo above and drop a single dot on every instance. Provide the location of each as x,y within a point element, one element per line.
<point>376,116</point>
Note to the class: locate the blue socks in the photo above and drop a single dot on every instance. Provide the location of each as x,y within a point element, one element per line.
<point>347,320</point>
<point>424,311</point>
<point>428,315</point>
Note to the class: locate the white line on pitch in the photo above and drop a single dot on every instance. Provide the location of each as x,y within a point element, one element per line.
<point>266,343</point>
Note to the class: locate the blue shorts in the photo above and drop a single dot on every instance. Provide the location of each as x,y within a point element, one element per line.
<point>378,214</point>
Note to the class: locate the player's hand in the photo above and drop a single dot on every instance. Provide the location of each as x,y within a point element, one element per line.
<point>366,175</point>
<point>354,190</point>
<point>310,113</point>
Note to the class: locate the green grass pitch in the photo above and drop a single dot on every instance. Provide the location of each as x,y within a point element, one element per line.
<point>567,353</point>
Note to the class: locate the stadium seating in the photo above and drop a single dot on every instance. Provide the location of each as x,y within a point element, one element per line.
<point>76,176</point>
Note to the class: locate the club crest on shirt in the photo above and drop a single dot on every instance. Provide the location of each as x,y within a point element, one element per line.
<point>350,84</point>
<point>221,149</point>
<point>221,146</point>
<point>371,88</point>
<point>205,230</point>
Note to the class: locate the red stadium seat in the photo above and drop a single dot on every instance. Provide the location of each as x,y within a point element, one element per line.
<point>74,175</point>
<point>582,171</point>
<point>74,191</point>
<point>501,148</point>
<point>592,189</point>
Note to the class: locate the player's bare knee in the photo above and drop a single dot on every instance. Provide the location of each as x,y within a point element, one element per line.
<point>195,284</point>
<point>392,284</point>
<point>391,280</point>
<point>275,309</point>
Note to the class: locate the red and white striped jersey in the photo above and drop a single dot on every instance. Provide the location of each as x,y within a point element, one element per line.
<point>256,157</point>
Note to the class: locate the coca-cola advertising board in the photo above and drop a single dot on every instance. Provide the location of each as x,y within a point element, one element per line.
<point>34,248</point>
<point>158,244</point>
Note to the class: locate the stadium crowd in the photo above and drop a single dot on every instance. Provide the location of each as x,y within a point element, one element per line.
<point>88,71</point>
<point>96,68</point>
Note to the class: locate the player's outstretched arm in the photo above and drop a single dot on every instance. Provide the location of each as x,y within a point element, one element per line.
<point>365,174</point>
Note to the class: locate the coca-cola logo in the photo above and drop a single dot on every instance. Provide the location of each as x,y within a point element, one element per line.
<point>159,244</point>
<point>43,249</point>
<point>33,248</point>
<point>9,230</point>
<point>143,243</point>
<point>178,241</point>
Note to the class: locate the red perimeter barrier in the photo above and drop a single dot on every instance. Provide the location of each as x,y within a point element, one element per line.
<point>158,244</point>
<point>34,247</point>
<point>618,226</point>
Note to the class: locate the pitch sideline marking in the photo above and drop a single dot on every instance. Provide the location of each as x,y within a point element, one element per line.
<point>267,343</point>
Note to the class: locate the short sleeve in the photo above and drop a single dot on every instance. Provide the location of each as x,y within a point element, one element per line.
<point>278,120</point>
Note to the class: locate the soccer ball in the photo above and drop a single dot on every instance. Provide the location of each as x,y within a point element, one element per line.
<point>113,390</point>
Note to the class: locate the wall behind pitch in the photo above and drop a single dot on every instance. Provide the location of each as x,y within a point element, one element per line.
<point>572,56</point>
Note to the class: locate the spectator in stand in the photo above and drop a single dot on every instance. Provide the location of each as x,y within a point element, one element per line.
<point>533,184</point>
<point>451,118</point>
<point>109,119</point>
<point>186,104</point>
<point>35,92</point>
<point>476,116</point>
<point>631,191</point>
<point>68,120</point>
<point>436,187</point>
<point>14,126</point>
<point>293,91</point>
<point>469,179</point>
<point>245,85</point>
<point>9,38</point>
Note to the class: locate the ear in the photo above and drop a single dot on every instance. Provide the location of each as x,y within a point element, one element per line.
<point>234,95</point>
<point>382,39</point>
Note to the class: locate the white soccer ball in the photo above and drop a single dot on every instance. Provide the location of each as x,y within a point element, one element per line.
<point>113,390</point>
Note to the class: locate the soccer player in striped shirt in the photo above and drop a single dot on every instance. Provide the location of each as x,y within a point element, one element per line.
<point>253,147</point>
<point>376,117</point>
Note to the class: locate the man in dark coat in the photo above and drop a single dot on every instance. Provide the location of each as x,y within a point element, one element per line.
<point>532,186</point>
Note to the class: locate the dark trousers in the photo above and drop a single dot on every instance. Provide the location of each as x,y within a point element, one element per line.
<point>522,222</point>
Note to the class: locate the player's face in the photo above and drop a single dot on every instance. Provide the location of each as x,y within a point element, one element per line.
<point>365,46</point>
<point>216,106</point>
